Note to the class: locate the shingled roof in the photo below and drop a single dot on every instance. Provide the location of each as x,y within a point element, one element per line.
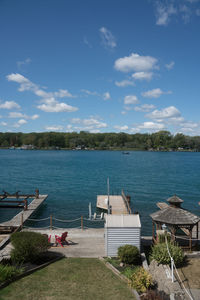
<point>175,199</point>
<point>175,216</point>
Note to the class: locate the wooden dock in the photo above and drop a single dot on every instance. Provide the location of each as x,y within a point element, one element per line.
<point>22,217</point>
<point>119,204</point>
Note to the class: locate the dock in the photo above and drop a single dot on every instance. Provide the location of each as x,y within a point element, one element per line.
<point>120,204</point>
<point>22,217</point>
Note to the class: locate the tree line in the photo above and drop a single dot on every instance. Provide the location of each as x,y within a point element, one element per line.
<point>162,140</point>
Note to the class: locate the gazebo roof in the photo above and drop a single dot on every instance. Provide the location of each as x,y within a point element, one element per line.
<point>175,216</point>
<point>175,199</point>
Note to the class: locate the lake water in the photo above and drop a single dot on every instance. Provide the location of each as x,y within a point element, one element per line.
<point>72,179</point>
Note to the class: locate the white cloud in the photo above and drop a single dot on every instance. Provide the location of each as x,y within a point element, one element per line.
<point>142,75</point>
<point>186,13</point>
<point>164,12</point>
<point>198,12</point>
<point>9,105</point>
<point>91,93</point>
<point>92,124</point>
<point>135,62</point>
<point>19,123</point>
<point>23,63</point>
<point>170,65</point>
<point>131,99</point>
<point>106,96</point>
<point>124,83</point>
<point>144,107</point>
<point>121,128</point>
<point>165,113</point>
<point>16,115</point>
<point>152,126</point>
<point>22,122</point>
<point>86,42</point>
<point>63,93</point>
<point>107,38</point>
<point>155,93</point>
<point>69,128</point>
<point>57,107</point>
<point>49,101</point>
<point>147,126</point>
<point>3,123</point>
<point>54,128</point>
<point>34,117</point>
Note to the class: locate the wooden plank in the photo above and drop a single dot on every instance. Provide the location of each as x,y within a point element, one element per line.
<point>32,207</point>
<point>116,202</point>
<point>162,205</point>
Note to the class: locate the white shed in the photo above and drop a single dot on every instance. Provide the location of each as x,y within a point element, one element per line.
<point>121,230</point>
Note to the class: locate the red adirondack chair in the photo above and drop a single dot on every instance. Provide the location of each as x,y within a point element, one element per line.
<point>61,239</point>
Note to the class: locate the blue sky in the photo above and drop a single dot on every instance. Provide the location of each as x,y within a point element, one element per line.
<point>100,66</point>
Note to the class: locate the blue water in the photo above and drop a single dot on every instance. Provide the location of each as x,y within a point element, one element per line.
<point>72,179</point>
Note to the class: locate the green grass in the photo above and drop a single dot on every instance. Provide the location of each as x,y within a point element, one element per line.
<point>72,278</point>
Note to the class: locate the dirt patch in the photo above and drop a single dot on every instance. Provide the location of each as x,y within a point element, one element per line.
<point>190,273</point>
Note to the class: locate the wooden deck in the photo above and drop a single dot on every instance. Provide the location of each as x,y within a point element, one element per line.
<point>21,217</point>
<point>118,206</point>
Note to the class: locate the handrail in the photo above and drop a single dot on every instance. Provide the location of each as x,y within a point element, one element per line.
<point>126,203</point>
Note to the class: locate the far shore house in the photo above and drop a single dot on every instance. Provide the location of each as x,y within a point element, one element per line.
<point>182,224</point>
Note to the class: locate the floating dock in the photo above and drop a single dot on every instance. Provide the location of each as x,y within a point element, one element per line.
<point>120,204</point>
<point>22,217</point>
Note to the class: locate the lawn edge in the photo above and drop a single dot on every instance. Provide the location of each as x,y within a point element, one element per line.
<point>26,273</point>
<point>121,276</point>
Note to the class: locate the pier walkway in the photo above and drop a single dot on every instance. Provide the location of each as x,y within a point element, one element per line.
<point>120,204</point>
<point>21,217</point>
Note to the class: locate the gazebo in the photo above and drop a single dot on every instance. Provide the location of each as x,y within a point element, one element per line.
<point>175,218</point>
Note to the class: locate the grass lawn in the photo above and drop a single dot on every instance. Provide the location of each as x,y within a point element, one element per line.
<point>190,273</point>
<point>69,278</point>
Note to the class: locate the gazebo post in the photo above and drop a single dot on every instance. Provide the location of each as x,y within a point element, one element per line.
<point>173,234</point>
<point>190,241</point>
<point>153,227</point>
<point>197,233</point>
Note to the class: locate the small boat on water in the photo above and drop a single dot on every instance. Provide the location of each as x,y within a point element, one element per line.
<point>125,152</point>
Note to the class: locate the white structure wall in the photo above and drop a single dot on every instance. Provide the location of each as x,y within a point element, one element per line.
<point>121,230</point>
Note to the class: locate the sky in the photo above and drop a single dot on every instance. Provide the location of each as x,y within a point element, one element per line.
<point>100,66</point>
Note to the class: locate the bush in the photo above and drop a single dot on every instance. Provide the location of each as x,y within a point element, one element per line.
<point>28,246</point>
<point>129,254</point>
<point>8,272</point>
<point>128,272</point>
<point>141,280</point>
<point>161,255</point>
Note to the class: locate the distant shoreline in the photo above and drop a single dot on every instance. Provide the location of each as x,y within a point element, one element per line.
<point>99,149</point>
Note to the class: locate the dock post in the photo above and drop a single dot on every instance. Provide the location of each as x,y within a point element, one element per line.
<point>51,224</point>
<point>22,220</point>
<point>82,222</point>
<point>36,193</point>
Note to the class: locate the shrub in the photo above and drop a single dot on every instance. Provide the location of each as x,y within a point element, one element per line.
<point>141,280</point>
<point>129,254</point>
<point>161,255</point>
<point>28,246</point>
<point>128,272</point>
<point>8,272</point>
